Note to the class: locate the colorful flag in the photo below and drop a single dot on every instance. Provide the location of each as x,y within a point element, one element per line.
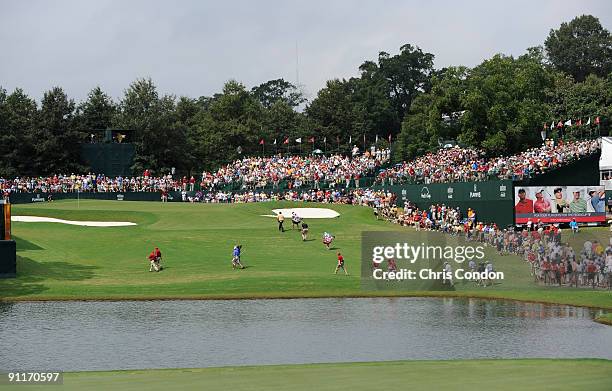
<point>559,124</point>
<point>596,120</point>
<point>579,122</point>
<point>286,141</point>
<point>261,142</point>
<point>389,137</point>
<point>311,140</point>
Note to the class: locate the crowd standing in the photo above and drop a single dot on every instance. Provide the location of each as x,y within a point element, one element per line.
<point>551,261</point>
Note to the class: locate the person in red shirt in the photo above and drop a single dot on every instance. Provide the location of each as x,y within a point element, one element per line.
<point>524,205</point>
<point>154,265</point>
<point>340,265</point>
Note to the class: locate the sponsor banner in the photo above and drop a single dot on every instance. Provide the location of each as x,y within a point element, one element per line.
<point>560,204</point>
<point>458,191</point>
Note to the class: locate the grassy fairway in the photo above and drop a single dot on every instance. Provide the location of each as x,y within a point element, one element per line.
<point>57,261</point>
<point>592,375</point>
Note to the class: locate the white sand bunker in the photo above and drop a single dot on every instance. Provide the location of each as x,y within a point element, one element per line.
<point>36,219</point>
<point>307,213</point>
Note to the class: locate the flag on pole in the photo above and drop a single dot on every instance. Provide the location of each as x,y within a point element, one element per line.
<point>596,120</point>
<point>376,139</point>
<point>589,121</point>
<point>579,122</point>
<point>568,122</point>
<point>274,141</point>
<point>298,140</point>
<point>286,141</point>
<point>325,140</point>
<point>559,124</point>
<point>311,140</point>
<point>552,124</point>
<point>389,138</point>
<point>261,142</point>
<point>350,139</point>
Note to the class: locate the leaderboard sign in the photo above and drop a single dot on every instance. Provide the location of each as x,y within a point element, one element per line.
<point>560,204</point>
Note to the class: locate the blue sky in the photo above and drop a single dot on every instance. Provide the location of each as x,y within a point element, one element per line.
<point>192,47</point>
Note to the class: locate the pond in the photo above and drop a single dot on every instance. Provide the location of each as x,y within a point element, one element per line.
<point>77,336</point>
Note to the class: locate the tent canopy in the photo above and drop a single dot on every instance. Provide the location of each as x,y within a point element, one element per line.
<point>605,161</point>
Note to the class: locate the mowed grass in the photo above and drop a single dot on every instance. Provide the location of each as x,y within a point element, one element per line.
<point>528,374</point>
<point>57,261</point>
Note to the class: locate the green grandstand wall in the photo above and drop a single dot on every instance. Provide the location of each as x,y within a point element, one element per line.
<point>492,200</point>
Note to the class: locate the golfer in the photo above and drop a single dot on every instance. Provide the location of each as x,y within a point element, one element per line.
<point>154,259</point>
<point>328,239</point>
<point>236,257</point>
<point>281,219</point>
<point>340,265</point>
<point>304,232</point>
<point>295,220</point>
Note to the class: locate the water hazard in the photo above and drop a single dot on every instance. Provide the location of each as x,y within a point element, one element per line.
<point>75,336</point>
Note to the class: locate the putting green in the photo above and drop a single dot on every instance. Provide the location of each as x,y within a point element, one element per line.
<point>58,261</point>
<point>587,374</point>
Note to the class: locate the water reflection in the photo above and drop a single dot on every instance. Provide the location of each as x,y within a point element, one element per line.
<point>157,334</point>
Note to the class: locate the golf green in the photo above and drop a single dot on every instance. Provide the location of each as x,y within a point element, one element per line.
<point>528,374</point>
<point>59,261</point>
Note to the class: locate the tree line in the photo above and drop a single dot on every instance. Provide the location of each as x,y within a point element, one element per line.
<point>500,105</point>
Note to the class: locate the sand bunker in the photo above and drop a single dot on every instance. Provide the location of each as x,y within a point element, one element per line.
<point>36,219</point>
<point>307,213</point>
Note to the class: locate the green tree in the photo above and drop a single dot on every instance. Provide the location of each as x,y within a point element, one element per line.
<point>580,48</point>
<point>17,137</point>
<point>56,137</point>
<point>278,90</point>
<point>160,143</point>
<point>97,112</point>
<point>408,74</point>
<point>230,128</point>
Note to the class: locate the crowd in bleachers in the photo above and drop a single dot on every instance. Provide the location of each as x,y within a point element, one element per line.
<point>463,165</point>
<point>262,172</point>
<point>248,173</point>
<point>323,172</point>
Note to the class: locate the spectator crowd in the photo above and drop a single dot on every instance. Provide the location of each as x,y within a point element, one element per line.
<point>465,165</point>
<point>323,172</point>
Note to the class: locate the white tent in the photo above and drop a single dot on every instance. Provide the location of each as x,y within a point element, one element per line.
<point>605,161</point>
